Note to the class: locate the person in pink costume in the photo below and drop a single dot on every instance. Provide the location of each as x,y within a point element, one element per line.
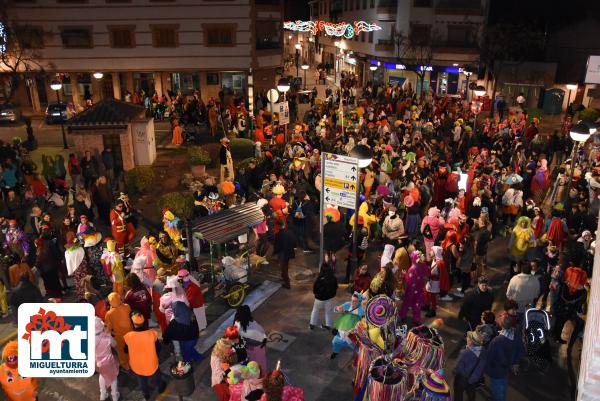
<point>107,365</point>
<point>173,292</point>
<point>430,228</point>
<point>414,283</point>
<point>150,254</point>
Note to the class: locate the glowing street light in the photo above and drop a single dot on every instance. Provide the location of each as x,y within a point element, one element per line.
<point>98,75</point>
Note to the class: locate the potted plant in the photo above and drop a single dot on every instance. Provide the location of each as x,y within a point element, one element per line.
<point>199,159</point>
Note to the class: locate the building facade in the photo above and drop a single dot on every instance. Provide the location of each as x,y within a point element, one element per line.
<point>154,46</point>
<point>437,40</point>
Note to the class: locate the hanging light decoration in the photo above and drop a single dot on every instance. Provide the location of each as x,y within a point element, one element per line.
<point>340,30</point>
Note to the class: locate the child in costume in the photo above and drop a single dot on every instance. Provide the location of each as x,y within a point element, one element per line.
<point>113,265</point>
<point>341,339</point>
<point>14,386</point>
<point>107,365</point>
<point>414,287</point>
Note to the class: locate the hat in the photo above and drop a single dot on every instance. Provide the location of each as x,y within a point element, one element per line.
<point>12,222</point>
<point>332,214</point>
<point>436,384</point>
<point>183,273</point>
<point>409,201</point>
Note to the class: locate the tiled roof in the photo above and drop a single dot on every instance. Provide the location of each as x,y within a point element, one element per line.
<point>107,113</point>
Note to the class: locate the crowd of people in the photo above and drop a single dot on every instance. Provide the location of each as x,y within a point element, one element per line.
<point>437,194</point>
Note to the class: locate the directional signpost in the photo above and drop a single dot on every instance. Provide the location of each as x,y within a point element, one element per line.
<point>339,185</point>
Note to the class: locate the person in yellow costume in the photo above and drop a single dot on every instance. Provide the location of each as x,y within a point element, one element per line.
<point>14,386</point>
<point>521,239</point>
<point>113,265</point>
<point>170,226</point>
<point>363,211</point>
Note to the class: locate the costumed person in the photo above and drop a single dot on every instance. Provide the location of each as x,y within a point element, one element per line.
<point>223,356</point>
<point>430,228</point>
<point>171,227</point>
<point>393,227</point>
<point>521,240</point>
<point>432,288</point>
<point>16,239</point>
<point>173,292</point>
<point>113,265</point>
<point>14,386</point>
<point>107,366</point>
<point>539,182</point>
<point>414,284</point>
<point>250,389</point>
<point>148,249</point>
<point>117,321</point>
<point>167,253</point>
<point>434,387</point>
<point>194,296</point>
<point>177,133</point>
<point>122,232</point>
<point>226,160</point>
<point>156,292</point>
<point>557,230</point>
<point>183,332</point>
<point>77,266</point>
<point>284,239</point>
<point>142,347</point>
<point>275,389</point>
<point>366,211</point>
<point>343,327</point>
<point>413,216</point>
<point>253,335</point>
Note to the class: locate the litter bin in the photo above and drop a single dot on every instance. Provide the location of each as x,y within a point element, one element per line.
<point>184,384</point>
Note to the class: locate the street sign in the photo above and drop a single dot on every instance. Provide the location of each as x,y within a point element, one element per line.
<point>283,109</point>
<point>273,95</point>
<point>340,180</point>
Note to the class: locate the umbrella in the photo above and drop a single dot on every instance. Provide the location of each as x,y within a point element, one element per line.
<point>346,321</point>
<point>513,179</point>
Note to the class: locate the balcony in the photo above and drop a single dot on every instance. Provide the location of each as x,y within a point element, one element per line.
<point>387,7</point>
<point>384,45</point>
<point>460,7</point>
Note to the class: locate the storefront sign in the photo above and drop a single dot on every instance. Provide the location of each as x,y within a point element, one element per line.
<point>394,66</point>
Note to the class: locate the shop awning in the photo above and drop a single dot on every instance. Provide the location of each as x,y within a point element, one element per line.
<point>227,224</point>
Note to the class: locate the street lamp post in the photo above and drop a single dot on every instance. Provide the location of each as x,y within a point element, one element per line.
<point>570,87</point>
<point>57,86</point>
<point>364,154</point>
<point>468,75</point>
<point>579,133</point>
<point>305,67</point>
<point>297,58</point>
<point>283,86</point>
<point>478,91</point>
<point>373,68</point>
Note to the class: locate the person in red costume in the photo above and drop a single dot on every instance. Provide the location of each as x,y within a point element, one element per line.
<point>194,296</point>
<point>122,231</point>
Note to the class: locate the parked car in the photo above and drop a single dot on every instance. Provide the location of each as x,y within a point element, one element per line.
<point>9,113</point>
<point>56,113</point>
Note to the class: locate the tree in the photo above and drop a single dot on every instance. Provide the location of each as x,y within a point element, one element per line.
<point>20,57</point>
<point>509,42</point>
<point>414,50</point>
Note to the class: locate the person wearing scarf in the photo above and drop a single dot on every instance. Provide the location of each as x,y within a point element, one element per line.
<point>107,366</point>
<point>183,332</point>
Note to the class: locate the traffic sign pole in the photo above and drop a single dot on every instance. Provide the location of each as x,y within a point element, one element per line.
<point>321,209</point>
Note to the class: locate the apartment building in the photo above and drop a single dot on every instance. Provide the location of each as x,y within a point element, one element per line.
<point>444,33</point>
<point>147,45</point>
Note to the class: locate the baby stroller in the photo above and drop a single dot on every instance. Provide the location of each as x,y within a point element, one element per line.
<point>535,338</point>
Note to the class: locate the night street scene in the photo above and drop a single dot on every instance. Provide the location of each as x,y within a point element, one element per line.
<point>290,200</point>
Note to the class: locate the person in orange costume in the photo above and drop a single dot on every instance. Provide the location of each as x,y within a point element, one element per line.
<point>118,322</point>
<point>122,231</point>
<point>15,387</point>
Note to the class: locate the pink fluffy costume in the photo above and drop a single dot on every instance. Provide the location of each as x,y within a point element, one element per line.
<point>414,284</point>
<point>430,228</point>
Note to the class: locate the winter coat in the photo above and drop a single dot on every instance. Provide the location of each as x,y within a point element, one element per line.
<point>333,236</point>
<point>325,287</point>
<point>476,302</point>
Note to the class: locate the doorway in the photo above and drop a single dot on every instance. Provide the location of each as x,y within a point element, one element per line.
<point>113,141</point>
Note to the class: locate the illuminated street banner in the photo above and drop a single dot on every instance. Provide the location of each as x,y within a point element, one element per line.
<point>341,29</point>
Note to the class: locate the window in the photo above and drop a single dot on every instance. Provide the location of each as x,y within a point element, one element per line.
<point>364,4</point>
<point>122,36</point>
<point>420,34</point>
<point>371,37</point>
<point>165,35</point>
<point>351,5</point>
<point>30,37</point>
<point>268,34</point>
<point>459,35</point>
<point>220,35</point>
<point>76,37</point>
<point>372,3</point>
<point>422,3</point>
